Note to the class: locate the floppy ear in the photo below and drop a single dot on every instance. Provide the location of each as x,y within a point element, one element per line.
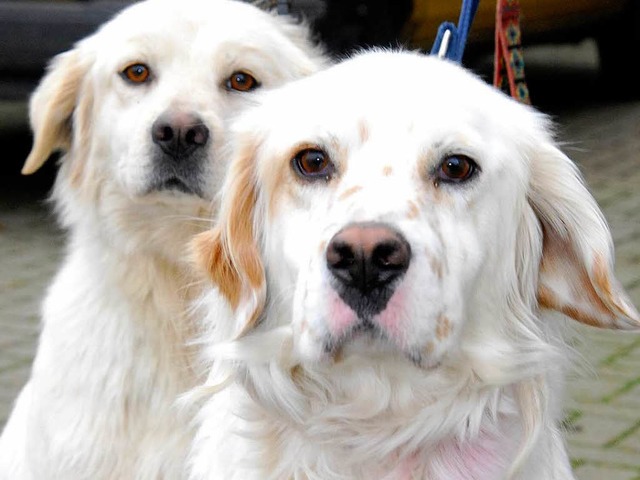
<point>229,253</point>
<point>576,270</point>
<point>52,107</point>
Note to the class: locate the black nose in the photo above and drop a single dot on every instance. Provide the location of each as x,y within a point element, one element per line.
<point>368,256</point>
<point>179,134</point>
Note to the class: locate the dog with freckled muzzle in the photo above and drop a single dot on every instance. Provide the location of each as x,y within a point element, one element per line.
<point>396,261</point>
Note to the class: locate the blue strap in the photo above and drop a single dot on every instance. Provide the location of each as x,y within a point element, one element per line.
<point>283,7</point>
<point>457,35</point>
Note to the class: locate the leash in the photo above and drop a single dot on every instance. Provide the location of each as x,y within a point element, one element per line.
<point>508,63</point>
<point>508,66</point>
<point>283,7</point>
<point>451,39</point>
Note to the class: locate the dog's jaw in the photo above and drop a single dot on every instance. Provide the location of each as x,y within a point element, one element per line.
<point>418,324</point>
<point>188,183</point>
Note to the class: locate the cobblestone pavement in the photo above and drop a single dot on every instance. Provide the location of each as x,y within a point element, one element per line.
<point>603,413</point>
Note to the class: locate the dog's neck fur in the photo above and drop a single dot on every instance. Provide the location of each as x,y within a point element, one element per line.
<point>108,296</point>
<point>306,424</point>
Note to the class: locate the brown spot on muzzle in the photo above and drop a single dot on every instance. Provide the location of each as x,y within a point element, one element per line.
<point>437,266</point>
<point>414,211</point>
<point>363,131</point>
<point>349,191</point>
<point>443,327</point>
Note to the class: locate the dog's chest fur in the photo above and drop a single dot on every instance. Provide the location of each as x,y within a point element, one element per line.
<point>369,437</point>
<point>116,336</point>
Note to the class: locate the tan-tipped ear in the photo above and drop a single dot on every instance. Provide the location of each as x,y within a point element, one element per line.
<point>52,106</point>
<point>229,253</point>
<point>576,271</point>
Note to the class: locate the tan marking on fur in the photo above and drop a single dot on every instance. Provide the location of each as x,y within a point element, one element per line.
<point>241,243</point>
<point>338,355</point>
<point>240,234</point>
<point>443,327</point>
<point>279,182</point>
<point>595,290</point>
<point>435,263</point>
<point>296,373</point>
<point>363,131</point>
<point>587,288</point>
<point>209,254</point>
<point>52,106</point>
<point>602,281</point>
<point>322,247</point>
<point>438,195</point>
<point>429,348</point>
<point>229,253</point>
<point>349,191</point>
<point>547,299</point>
<point>81,136</point>
<point>601,275</point>
<point>387,170</point>
<point>422,173</point>
<point>414,211</point>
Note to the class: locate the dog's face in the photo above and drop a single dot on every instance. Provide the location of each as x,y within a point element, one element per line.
<point>141,107</point>
<point>397,206</point>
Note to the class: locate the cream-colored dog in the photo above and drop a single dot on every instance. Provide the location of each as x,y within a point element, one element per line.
<point>397,239</point>
<point>140,109</point>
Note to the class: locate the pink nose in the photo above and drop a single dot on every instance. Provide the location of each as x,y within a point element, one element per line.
<point>365,259</point>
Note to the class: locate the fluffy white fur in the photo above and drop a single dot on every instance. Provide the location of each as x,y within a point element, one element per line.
<point>113,355</point>
<point>461,375</point>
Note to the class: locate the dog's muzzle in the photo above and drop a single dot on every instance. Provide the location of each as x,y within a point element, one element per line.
<point>179,160</point>
<point>366,261</point>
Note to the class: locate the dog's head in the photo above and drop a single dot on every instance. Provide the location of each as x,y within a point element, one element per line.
<point>140,108</point>
<point>396,205</point>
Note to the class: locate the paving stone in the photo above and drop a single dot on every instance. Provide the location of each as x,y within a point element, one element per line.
<point>591,472</point>
<point>608,459</point>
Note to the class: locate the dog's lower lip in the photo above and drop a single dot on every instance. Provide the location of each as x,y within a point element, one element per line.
<point>365,325</point>
<point>174,184</point>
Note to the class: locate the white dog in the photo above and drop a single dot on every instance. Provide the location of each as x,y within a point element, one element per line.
<point>395,236</point>
<point>141,109</point>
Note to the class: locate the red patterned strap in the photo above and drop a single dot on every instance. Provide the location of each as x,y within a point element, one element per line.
<point>508,67</point>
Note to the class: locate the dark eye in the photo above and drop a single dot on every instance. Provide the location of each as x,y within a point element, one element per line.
<point>456,169</point>
<point>313,164</point>
<point>136,73</point>
<point>242,82</point>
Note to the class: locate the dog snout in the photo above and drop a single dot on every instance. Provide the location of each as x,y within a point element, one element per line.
<point>368,256</point>
<point>179,134</point>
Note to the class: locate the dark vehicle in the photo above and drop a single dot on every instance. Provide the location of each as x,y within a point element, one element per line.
<point>32,31</point>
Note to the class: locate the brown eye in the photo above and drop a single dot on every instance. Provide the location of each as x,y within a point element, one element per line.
<point>136,73</point>
<point>313,164</point>
<point>456,169</point>
<point>242,82</point>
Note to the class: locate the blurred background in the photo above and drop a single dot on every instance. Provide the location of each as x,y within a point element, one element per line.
<point>33,31</point>
<point>579,64</point>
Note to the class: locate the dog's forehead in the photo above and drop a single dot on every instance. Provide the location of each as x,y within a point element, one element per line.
<point>190,20</point>
<point>390,91</point>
